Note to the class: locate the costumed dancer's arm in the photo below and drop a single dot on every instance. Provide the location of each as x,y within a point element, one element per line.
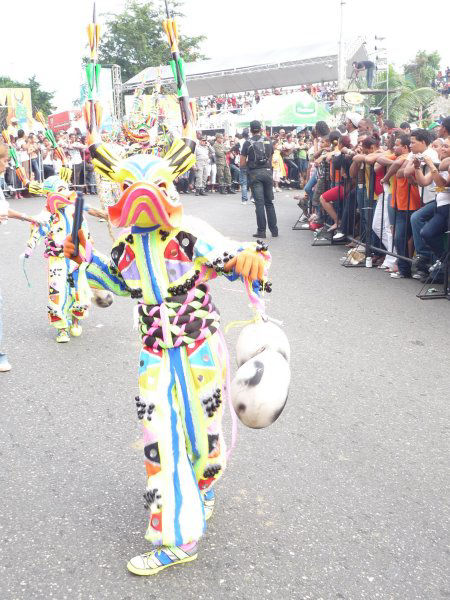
<point>38,231</point>
<point>101,273</point>
<point>214,254</point>
<point>13,214</point>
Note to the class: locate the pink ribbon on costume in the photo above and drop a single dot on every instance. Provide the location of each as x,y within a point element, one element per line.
<point>228,396</point>
<point>163,311</point>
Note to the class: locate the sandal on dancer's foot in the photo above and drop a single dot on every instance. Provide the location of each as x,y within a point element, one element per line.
<point>156,560</point>
<point>63,336</point>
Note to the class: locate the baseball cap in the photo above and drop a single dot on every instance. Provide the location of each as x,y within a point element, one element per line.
<point>255,125</point>
<point>355,118</point>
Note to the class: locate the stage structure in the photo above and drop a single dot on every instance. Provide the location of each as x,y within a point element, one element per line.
<point>314,63</point>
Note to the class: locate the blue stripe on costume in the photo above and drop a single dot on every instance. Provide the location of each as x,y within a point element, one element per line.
<point>96,260</point>
<point>136,229</point>
<point>156,290</point>
<point>176,458</point>
<point>175,359</point>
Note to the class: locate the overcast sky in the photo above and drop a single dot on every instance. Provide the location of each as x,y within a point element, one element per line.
<point>48,38</point>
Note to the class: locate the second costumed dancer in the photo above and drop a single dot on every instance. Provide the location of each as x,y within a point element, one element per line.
<point>165,262</point>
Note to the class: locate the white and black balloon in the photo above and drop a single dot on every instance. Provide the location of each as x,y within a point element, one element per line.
<point>102,298</point>
<point>257,337</point>
<point>260,389</point>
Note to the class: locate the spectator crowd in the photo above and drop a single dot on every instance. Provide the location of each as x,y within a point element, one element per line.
<point>442,82</point>
<point>36,155</point>
<point>381,188</point>
<point>241,103</point>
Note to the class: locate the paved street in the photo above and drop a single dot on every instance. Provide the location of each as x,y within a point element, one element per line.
<point>344,497</point>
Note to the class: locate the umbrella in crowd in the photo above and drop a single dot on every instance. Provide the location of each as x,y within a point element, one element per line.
<point>293,109</point>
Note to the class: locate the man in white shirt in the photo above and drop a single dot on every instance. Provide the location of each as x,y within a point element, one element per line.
<point>420,148</point>
<point>13,127</point>
<point>416,167</point>
<point>352,121</point>
<point>74,149</point>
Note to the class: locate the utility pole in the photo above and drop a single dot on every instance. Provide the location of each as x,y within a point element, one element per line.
<point>341,52</point>
<point>382,62</point>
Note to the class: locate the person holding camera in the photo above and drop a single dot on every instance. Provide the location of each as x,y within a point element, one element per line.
<point>256,156</point>
<point>421,162</point>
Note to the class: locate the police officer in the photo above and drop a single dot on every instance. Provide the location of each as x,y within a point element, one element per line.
<point>256,155</point>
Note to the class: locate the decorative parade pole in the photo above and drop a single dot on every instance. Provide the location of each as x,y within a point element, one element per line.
<point>65,172</point>
<point>92,110</point>
<point>177,65</point>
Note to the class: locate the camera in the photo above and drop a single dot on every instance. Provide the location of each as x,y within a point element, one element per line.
<point>378,110</point>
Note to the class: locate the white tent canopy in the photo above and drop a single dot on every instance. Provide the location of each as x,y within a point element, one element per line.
<point>274,68</point>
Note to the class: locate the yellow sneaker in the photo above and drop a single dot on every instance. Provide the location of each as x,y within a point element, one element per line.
<point>156,560</point>
<point>63,336</point>
<point>209,499</point>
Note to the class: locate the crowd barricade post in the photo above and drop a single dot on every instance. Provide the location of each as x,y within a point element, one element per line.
<point>360,187</point>
<point>369,247</point>
<point>326,239</point>
<point>319,239</point>
<point>369,214</point>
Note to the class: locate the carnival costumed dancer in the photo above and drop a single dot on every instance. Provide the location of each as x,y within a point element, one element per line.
<point>68,291</point>
<point>165,263</point>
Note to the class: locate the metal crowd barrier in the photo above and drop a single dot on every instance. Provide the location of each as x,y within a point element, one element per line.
<point>356,216</point>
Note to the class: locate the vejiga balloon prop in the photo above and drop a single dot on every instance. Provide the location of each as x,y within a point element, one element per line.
<point>260,389</point>
<point>260,336</point>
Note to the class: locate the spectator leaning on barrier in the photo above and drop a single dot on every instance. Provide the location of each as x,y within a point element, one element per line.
<point>74,149</point>
<point>382,224</point>
<point>432,232</point>
<point>360,170</point>
<point>33,151</point>
<point>405,200</point>
<point>336,193</point>
<point>422,168</point>
<point>22,154</point>
<point>256,155</point>
<point>90,181</point>
<point>288,149</point>
<point>302,158</point>
<point>47,159</point>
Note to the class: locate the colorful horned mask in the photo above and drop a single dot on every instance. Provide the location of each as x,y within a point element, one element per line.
<point>57,191</point>
<point>148,196</point>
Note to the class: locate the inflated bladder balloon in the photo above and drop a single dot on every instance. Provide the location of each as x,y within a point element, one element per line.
<point>260,389</point>
<point>257,337</point>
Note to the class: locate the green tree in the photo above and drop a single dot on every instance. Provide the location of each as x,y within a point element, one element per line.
<point>134,39</point>
<point>40,99</point>
<point>421,71</point>
<point>404,99</point>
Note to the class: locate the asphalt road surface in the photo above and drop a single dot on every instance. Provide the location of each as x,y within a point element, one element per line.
<point>344,497</point>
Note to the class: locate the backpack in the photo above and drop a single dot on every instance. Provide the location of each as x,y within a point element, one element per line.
<point>259,151</point>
